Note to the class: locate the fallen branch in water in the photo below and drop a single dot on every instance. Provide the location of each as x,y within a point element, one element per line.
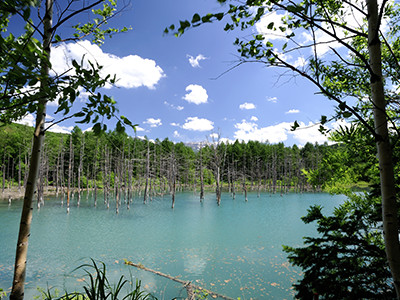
<point>187,284</point>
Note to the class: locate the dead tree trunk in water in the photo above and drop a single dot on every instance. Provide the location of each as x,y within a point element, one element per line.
<point>146,187</point>
<point>71,154</point>
<point>80,168</point>
<point>201,175</point>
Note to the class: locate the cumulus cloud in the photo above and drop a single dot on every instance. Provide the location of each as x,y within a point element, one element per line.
<point>247,131</point>
<point>247,106</point>
<point>196,94</point>
<point>131,71</point>
<point>195,61</point>
<point>28,120</point>
<point>198,124</point>
<point>292,111</point>
<point>254,119</point>
<point>138,128</point>
<point>176,134</point>
<point>308,133</point>
<point>61,129</point>
<point>272,99</point>
<point>153,122</point>
<point>177,107</point>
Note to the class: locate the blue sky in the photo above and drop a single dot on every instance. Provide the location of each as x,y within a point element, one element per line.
<point>171,87</point>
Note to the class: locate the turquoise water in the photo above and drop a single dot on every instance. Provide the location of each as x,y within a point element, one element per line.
<point>234,249</point>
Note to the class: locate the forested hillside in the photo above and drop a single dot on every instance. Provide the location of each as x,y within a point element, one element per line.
<point>115,161</point>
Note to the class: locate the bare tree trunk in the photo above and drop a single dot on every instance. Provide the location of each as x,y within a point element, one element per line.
<point>388,190</point>
<point>17,292</point>
<point>95,173</point>
<point>80,168</point>
<point>146,187</point>
<point>19,170</point>
<point>201,176</point>
<point>71,153</point>
<point>4,170</point>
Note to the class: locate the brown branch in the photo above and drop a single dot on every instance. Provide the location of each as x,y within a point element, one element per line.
<point>186,284</point>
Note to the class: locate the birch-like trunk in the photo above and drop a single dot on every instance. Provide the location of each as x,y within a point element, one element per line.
<point>17,292</point>
<point>387,182</point>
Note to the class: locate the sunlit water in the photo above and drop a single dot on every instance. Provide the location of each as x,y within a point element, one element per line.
<point>234,249</point>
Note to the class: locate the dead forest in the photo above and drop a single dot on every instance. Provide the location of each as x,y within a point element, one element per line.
<point>119,167</point>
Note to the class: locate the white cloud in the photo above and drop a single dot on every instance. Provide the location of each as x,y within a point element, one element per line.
<point>176,134</point>
<point>272,99</point>
<point>198,124</point>
<point>131,71</point>
<point>153,122</point>
<point>214,135</point>
<point>28,120</point>
<point>247,131</point>
<point>195,61</point>
<point>174,124</point>
<point>254,119</point>
<point>196,94</point>
<point>60,129</point>
<point>138,128</point>
<point>247,105</point>
<point>309,133</point>
<point>270,34</point>
<point>300,62</point>
<point>174,106</point>
<point>292,111</point>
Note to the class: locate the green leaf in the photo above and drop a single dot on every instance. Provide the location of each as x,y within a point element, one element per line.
<point>75,64</point>
<point>342,105</point>
<point>196,18</point>
<point>347,114</point>
<point>219,16</point>
<point>97,128</point>
<point>259,37</point>
<point>294,126</point>
<point>79,114</point>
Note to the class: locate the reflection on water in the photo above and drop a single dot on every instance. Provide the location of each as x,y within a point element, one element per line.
<point>234,249</point>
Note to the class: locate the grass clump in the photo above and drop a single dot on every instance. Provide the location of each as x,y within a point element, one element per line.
<point>98,287</point>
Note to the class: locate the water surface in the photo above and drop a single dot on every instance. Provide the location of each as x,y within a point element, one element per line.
<point>234,249</point>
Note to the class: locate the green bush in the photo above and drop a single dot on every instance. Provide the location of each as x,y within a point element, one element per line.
<point>347,259</point>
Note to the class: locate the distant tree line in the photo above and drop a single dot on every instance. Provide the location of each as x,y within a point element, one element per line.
<point>115,162</point>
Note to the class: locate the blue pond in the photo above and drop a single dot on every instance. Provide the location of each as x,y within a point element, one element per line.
<point>234,249</point>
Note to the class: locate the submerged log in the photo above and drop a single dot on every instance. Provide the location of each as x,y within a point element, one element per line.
<point>187,284</point>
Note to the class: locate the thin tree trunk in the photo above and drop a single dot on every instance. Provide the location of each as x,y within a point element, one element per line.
<point>201,176</point>
<point>146,187</point>
<point>71,153</point>
<point>19,170</point>
<point>17,292</point>
<point>388,191</point>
